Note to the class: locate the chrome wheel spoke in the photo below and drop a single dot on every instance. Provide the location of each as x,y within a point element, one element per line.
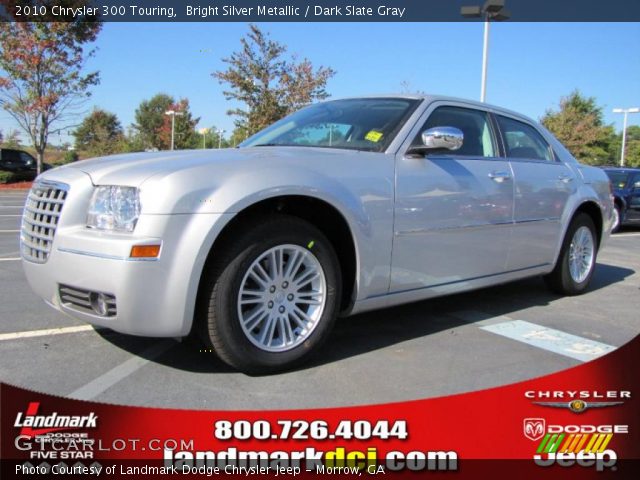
<point>282,298</point>
<point>581,254</point>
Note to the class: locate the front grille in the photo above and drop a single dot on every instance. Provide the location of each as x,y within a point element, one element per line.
<point>87,301</point>
<point>40,219</point>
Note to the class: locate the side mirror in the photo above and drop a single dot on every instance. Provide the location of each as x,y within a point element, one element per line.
<point>449,138</point>
<point>636,186</point>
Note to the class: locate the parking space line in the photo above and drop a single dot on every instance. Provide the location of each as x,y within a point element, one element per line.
<point>9,231</point>
<point>119,373</point>
<point>622,235</point>
<point>12,206</point>
<point>3,215</point>
<point>550,339</point>
<point>10,259</point>
<point>44,333</point>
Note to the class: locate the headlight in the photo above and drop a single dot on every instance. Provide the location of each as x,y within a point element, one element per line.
<point>114,208</point>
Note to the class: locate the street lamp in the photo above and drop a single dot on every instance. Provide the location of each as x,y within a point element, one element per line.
<point>491,10</point>
<point>626,112</point>
<point>203,132</point>
<point>220,132</point>
<point>173,114</point>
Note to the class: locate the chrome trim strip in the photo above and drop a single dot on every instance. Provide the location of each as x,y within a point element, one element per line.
<point>106,257</point>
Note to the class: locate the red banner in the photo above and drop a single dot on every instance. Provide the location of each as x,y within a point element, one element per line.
<point>580,422</point>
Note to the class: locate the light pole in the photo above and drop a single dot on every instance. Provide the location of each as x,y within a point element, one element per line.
<point>203,132</point>
<point>491,10</point>
<point>626,112</point>
<point>173,114</point>
<point>220,132</point>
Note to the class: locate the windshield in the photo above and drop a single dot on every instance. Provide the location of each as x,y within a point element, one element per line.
<point>618,179</point>
<point>359,124</point>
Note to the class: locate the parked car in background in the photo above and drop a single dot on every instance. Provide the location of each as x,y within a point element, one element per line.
<point>342,207</point>
<point>625,183</point>
<point>19,163</point>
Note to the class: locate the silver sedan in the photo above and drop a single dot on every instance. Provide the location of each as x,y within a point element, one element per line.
<point>342,207</point>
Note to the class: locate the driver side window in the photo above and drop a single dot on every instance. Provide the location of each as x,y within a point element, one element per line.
<point>474,124</point>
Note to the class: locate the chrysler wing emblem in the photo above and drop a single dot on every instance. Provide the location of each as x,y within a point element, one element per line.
<point>578,406</point>
<point>534,428</point>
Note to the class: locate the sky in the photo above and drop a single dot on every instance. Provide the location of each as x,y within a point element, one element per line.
<point>531,65</point>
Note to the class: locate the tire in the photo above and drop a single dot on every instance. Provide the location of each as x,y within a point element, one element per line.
<point>581,235</point>
<point>617,219</point>
<point>275,336</point>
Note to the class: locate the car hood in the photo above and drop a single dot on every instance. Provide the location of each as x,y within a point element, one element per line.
<point>135,168</point>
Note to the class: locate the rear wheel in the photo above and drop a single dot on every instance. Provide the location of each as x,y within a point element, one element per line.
<point>577,259</point>
<point>270,298</point>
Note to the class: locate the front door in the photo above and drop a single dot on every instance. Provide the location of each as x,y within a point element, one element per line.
<point>453,209</point>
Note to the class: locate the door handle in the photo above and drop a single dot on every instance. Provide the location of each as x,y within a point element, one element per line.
<point>500,176</point>
<point>565,178</point>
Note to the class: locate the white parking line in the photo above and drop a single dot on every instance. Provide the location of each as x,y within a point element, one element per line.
<point>44,333</point>
<point>549,339</point>
<point>10,215</point>
<point>9,231</point>
<point>119,373</point>
<point>622,235</point>
<point>11,206</point>
<point>12,259</point>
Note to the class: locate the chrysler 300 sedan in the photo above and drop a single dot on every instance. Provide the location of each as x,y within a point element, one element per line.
<point>342,207</point>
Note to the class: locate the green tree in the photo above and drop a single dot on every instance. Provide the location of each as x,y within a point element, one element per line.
<point>150,118</point>
<point>100,133</point>
<point>579,125</point>
<point>185,135</point>
<point>632,147</point>
<point>43,81</point>
<point>268,84</point>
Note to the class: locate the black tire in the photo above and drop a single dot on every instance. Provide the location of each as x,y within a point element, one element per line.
<point>560,279</point>
<point>618,215</point>
<point>218,321</point>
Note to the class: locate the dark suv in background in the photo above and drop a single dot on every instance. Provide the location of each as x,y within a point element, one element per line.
<point>626,194</point>
<point>19,163</point>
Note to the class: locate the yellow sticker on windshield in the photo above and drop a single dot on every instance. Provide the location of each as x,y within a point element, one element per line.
<point>373,136</point>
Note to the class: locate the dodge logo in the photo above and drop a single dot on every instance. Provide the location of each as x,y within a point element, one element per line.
<point>534,428</point>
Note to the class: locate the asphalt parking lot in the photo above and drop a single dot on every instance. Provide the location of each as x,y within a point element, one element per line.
<point>456,344</point>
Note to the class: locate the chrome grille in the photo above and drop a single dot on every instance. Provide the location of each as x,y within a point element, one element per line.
<point>87,301</point>
<point>40,219</point>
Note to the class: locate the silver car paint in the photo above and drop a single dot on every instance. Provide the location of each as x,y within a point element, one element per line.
<point>188,197</point>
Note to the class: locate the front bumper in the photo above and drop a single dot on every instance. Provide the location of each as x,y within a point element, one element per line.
<point>153,297</point>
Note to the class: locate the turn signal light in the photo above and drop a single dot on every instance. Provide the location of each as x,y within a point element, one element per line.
<point>145,251</point>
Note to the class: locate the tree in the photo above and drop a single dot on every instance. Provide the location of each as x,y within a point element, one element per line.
<point>269,85</point>
<point>185,135</point>
<point>42,81</point>
<point>632,147</point>
<point>12,140</point>
<point>100,133</point>
<point>580,127</point>
<point>150,118</point>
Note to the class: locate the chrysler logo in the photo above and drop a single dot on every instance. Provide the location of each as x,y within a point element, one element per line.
<point>534,428</point>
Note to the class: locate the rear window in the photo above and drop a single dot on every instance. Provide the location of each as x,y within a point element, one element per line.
<point>618,179</point>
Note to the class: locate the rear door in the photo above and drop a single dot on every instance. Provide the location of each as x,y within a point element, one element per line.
<point>453,209</point>
<point>633,199</point>
<point>543,186</point>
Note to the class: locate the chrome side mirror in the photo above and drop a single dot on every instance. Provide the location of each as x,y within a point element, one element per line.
<point>449,138</point>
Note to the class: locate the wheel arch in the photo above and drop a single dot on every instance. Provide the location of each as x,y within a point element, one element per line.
<point>318,212</point>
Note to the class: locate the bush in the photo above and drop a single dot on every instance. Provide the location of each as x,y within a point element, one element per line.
<point>70,156</point>
<point>13,177</point>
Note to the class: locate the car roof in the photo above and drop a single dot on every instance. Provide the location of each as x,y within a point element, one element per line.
<point>621,169</point>
<point>442,98</point>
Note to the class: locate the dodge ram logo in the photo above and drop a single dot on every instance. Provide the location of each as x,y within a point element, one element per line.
<point>534,428</point>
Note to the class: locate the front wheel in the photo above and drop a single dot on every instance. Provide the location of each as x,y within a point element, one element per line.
<point>616,219</point>
<point>271,297</point>
<point>577,258</point>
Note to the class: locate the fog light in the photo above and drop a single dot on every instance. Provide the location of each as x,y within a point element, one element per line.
<point>145,251</point>
<point>99,303</point>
